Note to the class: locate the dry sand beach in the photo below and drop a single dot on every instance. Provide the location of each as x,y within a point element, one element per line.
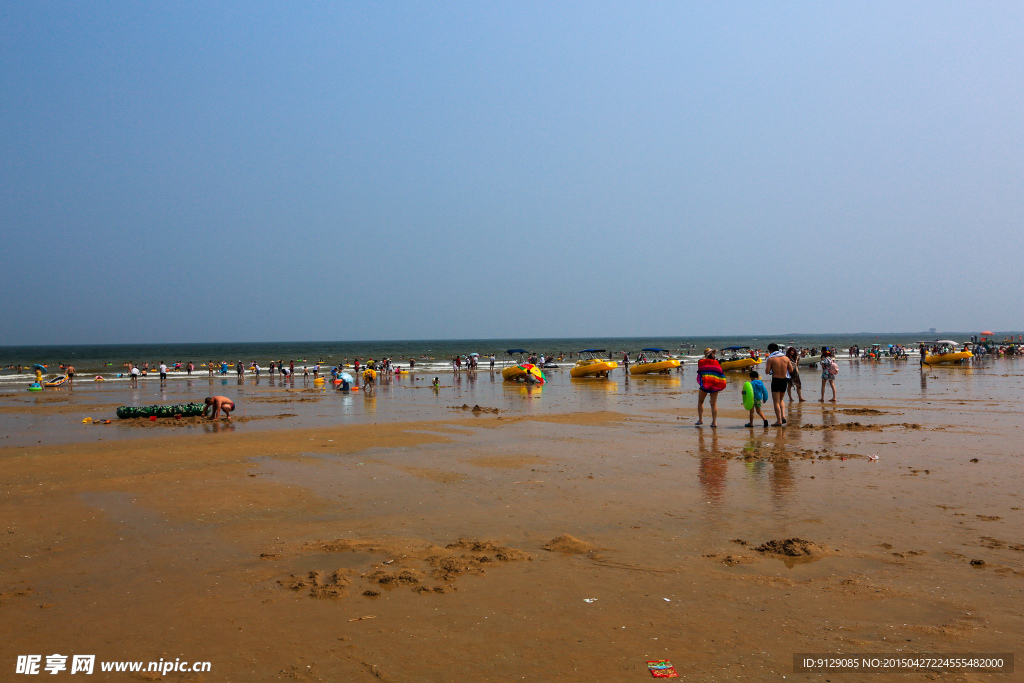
<point>580,530</point>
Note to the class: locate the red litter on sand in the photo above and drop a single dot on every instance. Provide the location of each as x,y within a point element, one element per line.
<point>661,668</point>
<point>152,418</point>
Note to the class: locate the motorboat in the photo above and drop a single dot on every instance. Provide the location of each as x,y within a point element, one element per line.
<point>659,362</point>
<point>591,364</point>
<point>732,360</point>
<point>515,371</point>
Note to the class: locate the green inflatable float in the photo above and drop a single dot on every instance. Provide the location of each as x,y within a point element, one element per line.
<point>183,409</point>
<point>748,395</point>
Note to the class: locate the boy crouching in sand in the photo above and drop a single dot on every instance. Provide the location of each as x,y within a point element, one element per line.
<point>217,404</point>
<point>760,396</point>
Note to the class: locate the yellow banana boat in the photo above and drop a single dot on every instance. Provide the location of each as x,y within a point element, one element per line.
<point>955,357</point>
<point>592,365</point>
<point>739,364</point>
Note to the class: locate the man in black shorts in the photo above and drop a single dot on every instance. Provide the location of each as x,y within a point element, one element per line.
<point>778,367</point>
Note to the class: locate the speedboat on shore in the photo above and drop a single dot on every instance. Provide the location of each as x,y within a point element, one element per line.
<point>660,362</point>
<point>732,360</point>
<point>515,371</point>
<point>591,364</point>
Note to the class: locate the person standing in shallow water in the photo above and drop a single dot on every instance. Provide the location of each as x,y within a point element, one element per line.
<point>779,366</point>
<point>794,374</point>
<point>829,370</point>
<point>710,380</point>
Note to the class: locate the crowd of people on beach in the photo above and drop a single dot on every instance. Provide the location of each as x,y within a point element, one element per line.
<point>782,367</point>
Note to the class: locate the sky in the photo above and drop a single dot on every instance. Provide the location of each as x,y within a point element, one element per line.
<point>195,171</point>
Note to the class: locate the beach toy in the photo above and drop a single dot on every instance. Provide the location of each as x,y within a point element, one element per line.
<point>86,420</point>
<point>35,386</point>
<point>56,382</point>
<point>152,418</point>
<point>98,378</point>
<point>155,411</point>
<point>748,396</point>
<point>661,668</point>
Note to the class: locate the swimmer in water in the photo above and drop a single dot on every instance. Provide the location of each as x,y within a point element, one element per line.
<point>217,404</point>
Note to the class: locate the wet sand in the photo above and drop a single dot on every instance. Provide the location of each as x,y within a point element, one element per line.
<point>572,535</point>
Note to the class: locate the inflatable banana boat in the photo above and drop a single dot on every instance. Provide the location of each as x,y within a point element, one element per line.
<point>953,357</point>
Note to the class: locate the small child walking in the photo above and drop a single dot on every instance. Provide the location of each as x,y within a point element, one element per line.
<point>760,394</point>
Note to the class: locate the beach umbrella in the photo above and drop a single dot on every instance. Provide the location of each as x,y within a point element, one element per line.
<point>987,332</point>
<point>346,377</point>
<point>474,354</point>
<point>37,366</point>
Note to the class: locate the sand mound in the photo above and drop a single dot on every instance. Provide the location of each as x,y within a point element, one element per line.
<point>401,577</point>
<point>862,411</point>
<point>413,562</point>
<point>475,409</point>
<point>791,547</point>
<point>567,544</point>
<point>319,585</point>
<point>858,427</point>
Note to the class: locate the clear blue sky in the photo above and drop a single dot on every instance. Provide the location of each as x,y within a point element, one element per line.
<point>300,171</point>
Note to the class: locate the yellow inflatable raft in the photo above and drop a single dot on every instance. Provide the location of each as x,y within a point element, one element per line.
<point>739,364</point>
<point>936,359</point>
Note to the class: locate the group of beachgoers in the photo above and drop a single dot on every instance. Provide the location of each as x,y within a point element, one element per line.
<point>781,366</point>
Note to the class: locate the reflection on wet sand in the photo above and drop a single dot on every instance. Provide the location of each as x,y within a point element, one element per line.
<point>828,436</point>
<point>778,473</point>
<point>595,383</point>
<point>712,469</point>
<point>218,427</point>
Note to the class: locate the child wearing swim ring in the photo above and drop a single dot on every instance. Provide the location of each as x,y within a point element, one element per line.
<point>760,394</point>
